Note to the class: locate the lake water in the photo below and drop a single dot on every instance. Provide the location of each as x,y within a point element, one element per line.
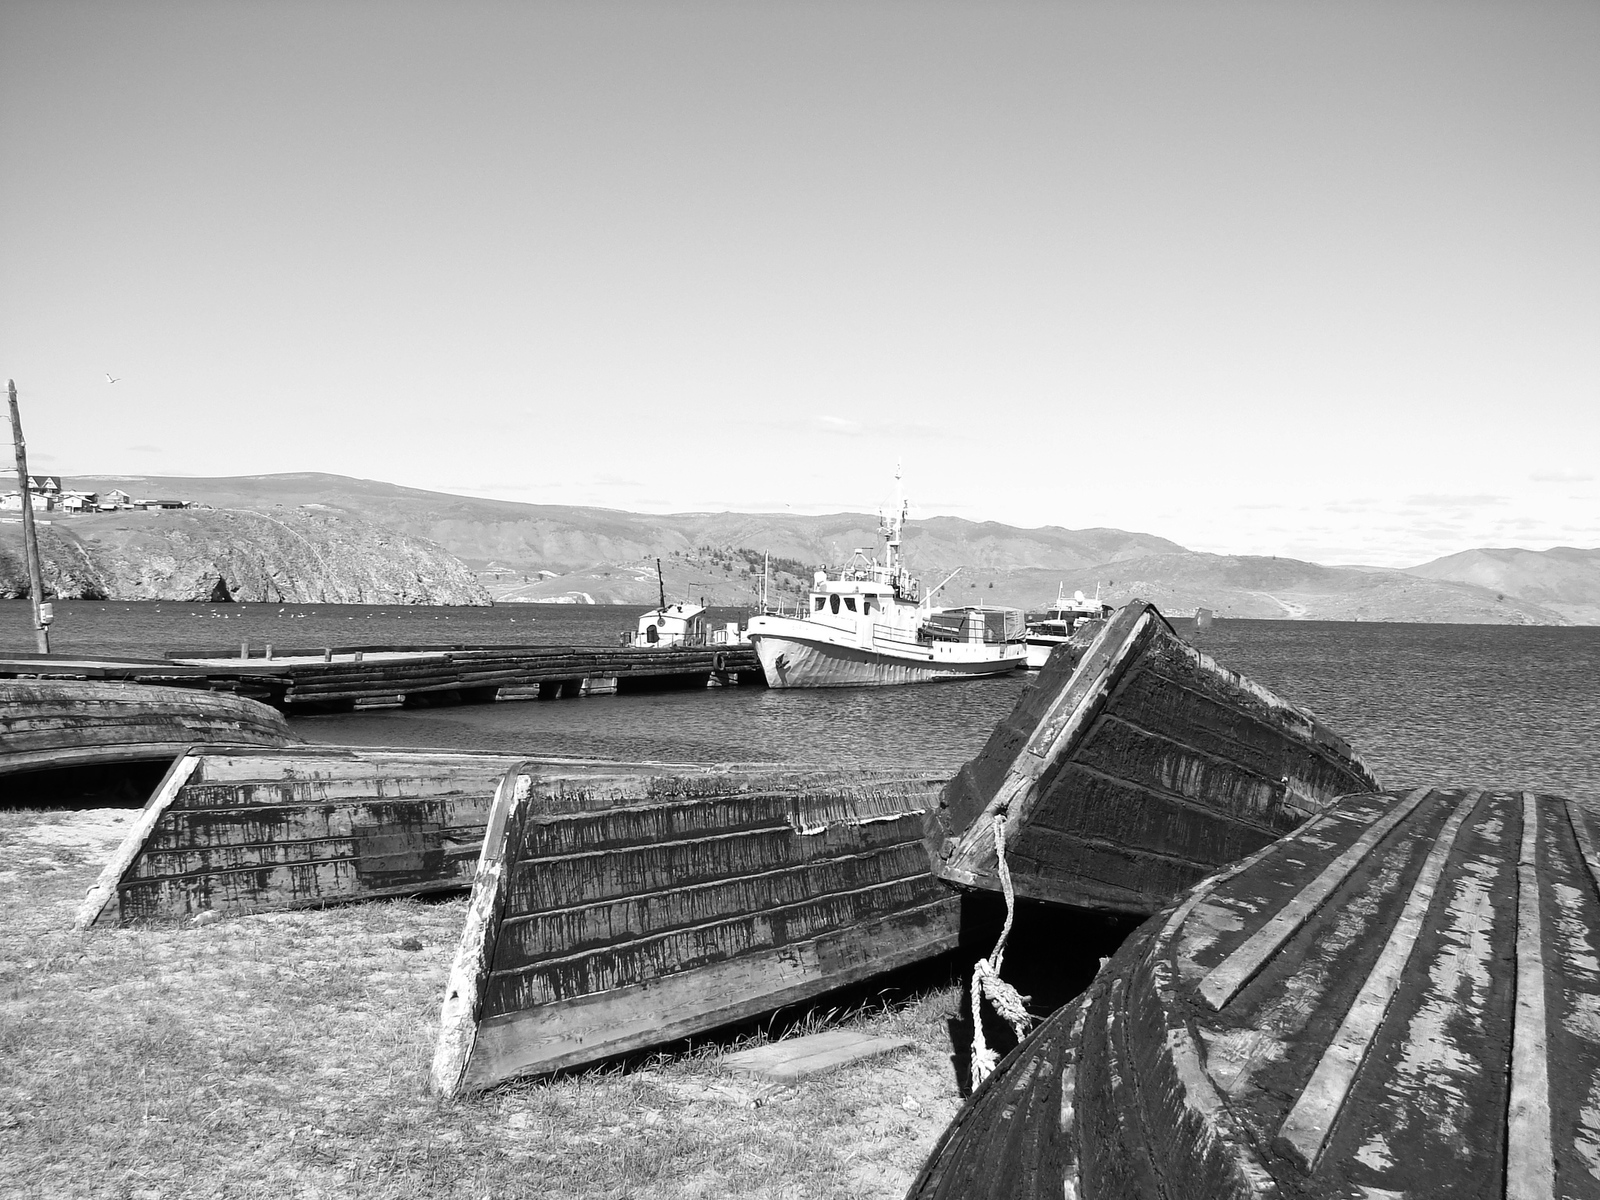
<point>1488,705</point>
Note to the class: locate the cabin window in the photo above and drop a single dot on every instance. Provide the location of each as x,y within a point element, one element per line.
<point>866,608</point>
<point>833,603</point>
<point>850,603</point>
<point>650,634</point>
<point>819,603</point>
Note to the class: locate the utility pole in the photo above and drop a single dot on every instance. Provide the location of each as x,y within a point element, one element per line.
<point>30,537</point>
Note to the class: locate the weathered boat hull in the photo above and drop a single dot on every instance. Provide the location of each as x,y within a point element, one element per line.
<point>794,658</point>
<point>1400,999</point>
<point>247,829</point>
<point>49,724</point>
<point>1123,778</point>
<point>612,913</point>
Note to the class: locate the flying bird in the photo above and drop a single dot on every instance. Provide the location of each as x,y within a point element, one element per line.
<point>111,380</point>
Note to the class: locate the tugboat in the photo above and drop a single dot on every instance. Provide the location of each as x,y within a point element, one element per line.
<point>1055,625</point>
<point>867,626</point>
<point>670,624</point>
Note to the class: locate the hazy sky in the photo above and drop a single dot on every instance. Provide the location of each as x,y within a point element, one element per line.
<point>1319,280</point>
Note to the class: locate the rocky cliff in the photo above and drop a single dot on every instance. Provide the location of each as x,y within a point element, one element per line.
<point>262,555</point>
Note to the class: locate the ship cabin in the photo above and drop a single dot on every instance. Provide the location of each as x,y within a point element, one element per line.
<point>865,591</point>
<point>976,623</point>
<point>673,625</point>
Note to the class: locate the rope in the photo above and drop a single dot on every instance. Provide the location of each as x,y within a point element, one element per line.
<point>986,979</point>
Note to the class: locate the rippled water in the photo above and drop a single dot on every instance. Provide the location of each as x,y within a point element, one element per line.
<point>1491,705</point>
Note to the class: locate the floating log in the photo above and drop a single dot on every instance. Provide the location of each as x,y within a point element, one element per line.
<point>47,724</point>
<point>619,911</point>
<point>1399,999</point>
<point>1129,775</point>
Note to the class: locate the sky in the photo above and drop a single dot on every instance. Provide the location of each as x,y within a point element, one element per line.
<point>1319,280</point>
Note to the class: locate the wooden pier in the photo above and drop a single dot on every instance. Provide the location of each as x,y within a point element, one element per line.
<point>343,677</point>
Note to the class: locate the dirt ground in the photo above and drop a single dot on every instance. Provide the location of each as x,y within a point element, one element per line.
<point>285,1055</point>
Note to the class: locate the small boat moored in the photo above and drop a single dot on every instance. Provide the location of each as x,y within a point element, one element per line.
<point>1398,999</point>
<point>869,625</point>
<point>1055,625</point>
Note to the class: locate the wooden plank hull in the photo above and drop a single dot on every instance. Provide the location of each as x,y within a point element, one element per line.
<point>53,723</point>
<point>1125,776</point>
<point>1399,999</point>
<point>615,912</point>
<point>236,830</point>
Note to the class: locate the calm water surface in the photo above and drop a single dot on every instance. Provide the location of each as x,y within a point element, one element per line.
<point>1490,705</point>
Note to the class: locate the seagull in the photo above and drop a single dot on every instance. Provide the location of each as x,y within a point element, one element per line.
<point>111,380</point>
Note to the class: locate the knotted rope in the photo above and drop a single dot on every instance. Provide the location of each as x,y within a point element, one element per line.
<point>986,979</point>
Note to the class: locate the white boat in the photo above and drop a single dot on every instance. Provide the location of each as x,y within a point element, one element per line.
<point>669,624</point>
<point>1054,626</point>
<point>672,625</point>
<point>867,626</point>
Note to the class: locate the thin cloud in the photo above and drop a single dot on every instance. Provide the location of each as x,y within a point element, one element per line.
<point>145,450</point>
<point>1561,477</point>
<point>1443,501</point>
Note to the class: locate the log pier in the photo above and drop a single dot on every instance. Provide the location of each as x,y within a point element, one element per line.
<point>345,677</point>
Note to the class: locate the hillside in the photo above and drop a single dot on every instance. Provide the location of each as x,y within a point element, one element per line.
<point>275,556</point>
<point>523,539</point>
<point>541,552</point>
<point>1565,579</point>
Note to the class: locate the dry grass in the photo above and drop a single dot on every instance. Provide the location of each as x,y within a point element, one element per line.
<point>284,1055</point>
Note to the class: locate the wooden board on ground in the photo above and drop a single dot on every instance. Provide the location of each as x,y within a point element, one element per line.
<point>1126,776</point>
<point>1400,999</point>
<point>46,724</point>
<point>794,1060</point>
<point>615,912</point>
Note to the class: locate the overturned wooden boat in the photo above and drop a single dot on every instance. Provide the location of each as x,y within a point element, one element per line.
<point>1399,999</point>
<point>51,724</point>
<point>252,829</point>
<point>613,912</point>
<point>1126,775</point>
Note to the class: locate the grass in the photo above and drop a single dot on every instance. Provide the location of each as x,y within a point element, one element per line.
<point>285,1055</point>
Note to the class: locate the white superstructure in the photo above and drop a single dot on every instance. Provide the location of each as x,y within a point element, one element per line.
<point>1054,626</point>
<point>868,626</point>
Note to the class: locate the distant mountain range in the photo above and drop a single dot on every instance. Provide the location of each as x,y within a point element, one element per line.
<point>543,552</point>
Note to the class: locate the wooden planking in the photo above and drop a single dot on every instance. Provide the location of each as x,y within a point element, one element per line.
<point>533,938</point>
<point>48,723</point>
<point>1148,747</point>
<point>818,880</point>
<point>1530,1162</point>
<point>1431,1028</point>
<point>343,825</point>
<point>559,882</point>
<point>1306,1127</point>
<point>794,1060</point>
<point>1225,980</point>
<point>105,887</point>
<point>636,960</point>
<point>583,1029</point>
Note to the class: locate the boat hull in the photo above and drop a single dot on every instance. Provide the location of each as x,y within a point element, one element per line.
<point>621,911</point>
<point>1385,1003</point>
<point>47,724</point>
<point>793,656</point>
<point>1131,775</point>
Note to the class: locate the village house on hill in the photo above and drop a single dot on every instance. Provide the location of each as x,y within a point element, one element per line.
<point>48,496</point>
